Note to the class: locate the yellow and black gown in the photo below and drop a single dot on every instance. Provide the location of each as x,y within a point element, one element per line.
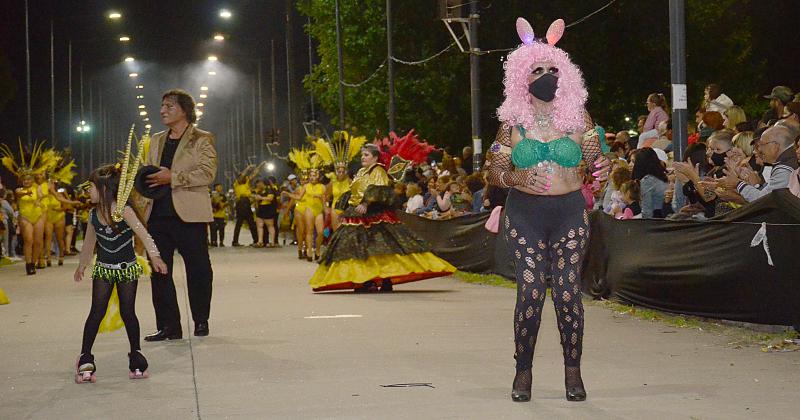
<point>376,245</point>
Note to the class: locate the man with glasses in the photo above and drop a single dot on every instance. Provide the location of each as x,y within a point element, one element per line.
<point>776,147</point>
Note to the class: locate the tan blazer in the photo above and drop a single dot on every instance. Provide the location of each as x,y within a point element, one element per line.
<point>193,170</point>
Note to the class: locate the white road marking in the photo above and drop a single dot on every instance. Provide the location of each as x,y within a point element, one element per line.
<point>333,316</point>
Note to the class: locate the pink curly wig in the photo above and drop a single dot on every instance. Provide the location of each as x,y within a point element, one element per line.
<point>568,113</point>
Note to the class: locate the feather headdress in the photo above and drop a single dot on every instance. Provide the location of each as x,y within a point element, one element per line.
<point>399,153</point>
<point>340,151</point>
<point>41,160</point>
<point>305,160</point>
<point>128,167</point>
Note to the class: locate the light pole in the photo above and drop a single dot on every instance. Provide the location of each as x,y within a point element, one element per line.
<point>340,65</point>
<point>28,73</point>
<point>390,64</point>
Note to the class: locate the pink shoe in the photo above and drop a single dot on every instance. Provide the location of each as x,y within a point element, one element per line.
<point>85,369</point>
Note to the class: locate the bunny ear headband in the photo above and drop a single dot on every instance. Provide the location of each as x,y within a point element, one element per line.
<point>554,33</point>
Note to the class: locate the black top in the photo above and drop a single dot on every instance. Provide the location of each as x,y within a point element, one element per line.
<point>163,207</point>
<point>113,247</point>
<point>694,197</point>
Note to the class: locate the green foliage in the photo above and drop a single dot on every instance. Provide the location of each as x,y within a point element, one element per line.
<point>623,53</point>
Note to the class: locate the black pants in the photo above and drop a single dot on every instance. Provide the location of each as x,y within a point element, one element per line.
<point>189,239</point>
<point>547,237</point>
<point>217,230</point>
<point>244,215</point>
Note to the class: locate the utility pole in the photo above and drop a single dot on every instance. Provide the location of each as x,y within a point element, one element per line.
<point>340,65</point>
<point>260,137</point>
<point>69,106</point>
<point>390,63</point>
<point>289,70</point>
<point>52,88</point>
<point>677,50</point>
<point>28,74</point>
<point>310,67</point>
<point>475,87</point>
<point>273,96</point>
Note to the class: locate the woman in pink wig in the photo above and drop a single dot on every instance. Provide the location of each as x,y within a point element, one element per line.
<point>544,135</point>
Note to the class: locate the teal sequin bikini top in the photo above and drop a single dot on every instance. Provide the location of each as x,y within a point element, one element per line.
<point>528,152</point>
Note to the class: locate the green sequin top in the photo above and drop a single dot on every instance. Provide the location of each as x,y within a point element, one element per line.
<point>529,152</point>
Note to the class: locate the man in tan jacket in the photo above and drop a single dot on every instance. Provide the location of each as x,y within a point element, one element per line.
<point>188,164</point>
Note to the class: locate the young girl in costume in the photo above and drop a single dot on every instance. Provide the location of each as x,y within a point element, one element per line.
<point>112,225</point>
<point>544,135</point>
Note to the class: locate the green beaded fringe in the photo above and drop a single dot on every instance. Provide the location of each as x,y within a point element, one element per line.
<point>126,275</point>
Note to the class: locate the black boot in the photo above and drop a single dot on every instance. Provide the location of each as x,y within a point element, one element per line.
<point>30,268</point>
<point>521,388</point>
<point>574,384</point>
<point>386,286</point>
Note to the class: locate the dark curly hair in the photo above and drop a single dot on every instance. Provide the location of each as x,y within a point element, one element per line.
<point>106,180</point>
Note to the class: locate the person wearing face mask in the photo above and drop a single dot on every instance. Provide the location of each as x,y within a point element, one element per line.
<point>537,154</point>
<point>720,145</point>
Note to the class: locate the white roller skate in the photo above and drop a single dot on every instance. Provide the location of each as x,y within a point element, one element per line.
<point>85,369</point>
<point>137,365</point>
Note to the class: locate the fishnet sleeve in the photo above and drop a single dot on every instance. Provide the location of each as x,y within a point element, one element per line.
<point>590,146</point>
<point>500,169</point>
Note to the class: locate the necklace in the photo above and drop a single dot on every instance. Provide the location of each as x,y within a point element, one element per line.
<point>543,120</point>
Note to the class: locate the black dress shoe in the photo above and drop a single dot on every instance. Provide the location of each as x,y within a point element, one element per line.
<point>201,329</point>
<point>164,334</point>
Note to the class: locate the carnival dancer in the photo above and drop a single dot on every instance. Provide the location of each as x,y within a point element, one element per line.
<point>244,211</point>
<point>219,204</point>
<point>112,225</point>
<point>29,199</point>
<point>339,152</point>
<point>58,204</point>
<point>372,247</point>
<point>546,225</point>
<point>266,198</point>
<point>310,198</point>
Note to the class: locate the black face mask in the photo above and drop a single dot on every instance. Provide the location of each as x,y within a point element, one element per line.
<point>718,159</point>
<point>544,88</point>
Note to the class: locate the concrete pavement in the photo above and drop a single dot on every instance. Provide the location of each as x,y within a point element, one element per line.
<point>276,350</point>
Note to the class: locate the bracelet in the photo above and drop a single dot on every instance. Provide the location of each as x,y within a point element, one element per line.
<point>503,181</point>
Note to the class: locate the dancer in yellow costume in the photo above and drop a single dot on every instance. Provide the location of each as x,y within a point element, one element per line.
<point>372,247</point>
<point>310,198</point>
<point>339,152</point>
<point>29,198</point>
<point>59,203</point>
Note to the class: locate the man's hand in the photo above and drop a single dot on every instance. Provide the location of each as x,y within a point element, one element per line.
<point>162,177</point>
<point>361,209</point>
<point>730,181</point>
<point>603,166</point>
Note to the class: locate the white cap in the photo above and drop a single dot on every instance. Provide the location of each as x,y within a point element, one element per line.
<point>291,177</point>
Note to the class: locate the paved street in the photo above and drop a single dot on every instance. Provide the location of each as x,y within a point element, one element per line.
<point>276,350</point>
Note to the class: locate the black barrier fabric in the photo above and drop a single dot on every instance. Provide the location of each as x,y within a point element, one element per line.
<point>706,268</point>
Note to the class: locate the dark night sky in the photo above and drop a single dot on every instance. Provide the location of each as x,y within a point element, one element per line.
<point>170,41</point>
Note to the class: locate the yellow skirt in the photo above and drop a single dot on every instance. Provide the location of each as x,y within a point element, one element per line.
<point>350,274</point>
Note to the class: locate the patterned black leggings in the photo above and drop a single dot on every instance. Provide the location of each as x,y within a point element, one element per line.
<point>547,236</point>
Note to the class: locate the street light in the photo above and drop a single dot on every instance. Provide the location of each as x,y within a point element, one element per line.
<point>225,14</point>
<point>212,58</point>
<point>124,38</point>
<point>212,73</point>
<point>199,113</point>
<point>204,88</point>
<point>142,113</point>
<point>141,106</point>
<point>270,167</point>
<point>147,126</point>
<point>133,75</point>
<point>114,15</point>
<point>203,96</point>
<point>219,37</point>
<point>83,127</point>
<point>129,59</point>
<point>139,96</point>
<point>139,86</point>
<point>200,104</point>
